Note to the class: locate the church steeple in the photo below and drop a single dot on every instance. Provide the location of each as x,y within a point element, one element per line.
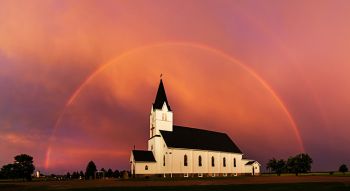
<point>161,119</point>
<point>161,97</point>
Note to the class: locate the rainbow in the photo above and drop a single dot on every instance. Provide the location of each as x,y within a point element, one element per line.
<point>91,77</point>
<point>292,58</point>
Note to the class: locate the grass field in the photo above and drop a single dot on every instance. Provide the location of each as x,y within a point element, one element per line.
<point>262,183</point>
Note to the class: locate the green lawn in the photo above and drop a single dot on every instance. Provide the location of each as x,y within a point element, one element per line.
<point>266,182</point>
<point>248,187</point>
<point>310,174</point>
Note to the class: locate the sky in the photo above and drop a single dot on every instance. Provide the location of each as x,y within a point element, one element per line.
<point>78,78</point>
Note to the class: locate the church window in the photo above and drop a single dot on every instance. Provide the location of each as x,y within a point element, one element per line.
<point>164,118</point>
<point>146,167</point>
<point>185,160</point>
<point>234,162</point>
<point>224,162</point>
<point>212,161</point>
<point>152,130</point>
<point>163,160</point>
<point>199,160</point>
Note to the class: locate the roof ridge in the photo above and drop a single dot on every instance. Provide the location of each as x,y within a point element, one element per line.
<point>194,138</point>
<point>200,129</point>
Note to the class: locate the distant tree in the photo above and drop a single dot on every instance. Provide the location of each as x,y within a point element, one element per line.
<point>277,166</point>
<point>109,173</point>
<point>101,174</point>
<point>271,164</point>
<point>124,174</point>
<point>80,174</point>
<point>75,175</point>
<point>90,170</point>
<point>343,168</point>
<point>23,166</point>
<point>300,163</point>
<point>8,171</point>
<point>68,175</point>
<point>116,174</point>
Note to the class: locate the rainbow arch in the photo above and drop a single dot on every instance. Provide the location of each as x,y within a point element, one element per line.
<point>76,93</point>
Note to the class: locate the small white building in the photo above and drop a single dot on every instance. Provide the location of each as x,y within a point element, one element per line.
<point>183,151</point>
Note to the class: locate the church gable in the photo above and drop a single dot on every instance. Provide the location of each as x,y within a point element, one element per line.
<point>191,138</point>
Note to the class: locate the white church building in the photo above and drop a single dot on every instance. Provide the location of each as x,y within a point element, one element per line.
<point>187,152</point>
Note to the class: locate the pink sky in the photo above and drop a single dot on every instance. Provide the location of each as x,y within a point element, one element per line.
<point>79,77</point>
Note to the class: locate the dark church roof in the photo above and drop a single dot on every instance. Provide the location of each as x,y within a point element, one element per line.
<point>143,156</point>
<point>191,138</point>
<point>161,97</point>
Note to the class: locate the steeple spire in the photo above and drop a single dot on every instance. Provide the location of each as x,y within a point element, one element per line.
<point>161,97</point>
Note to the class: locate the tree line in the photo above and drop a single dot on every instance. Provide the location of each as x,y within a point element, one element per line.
<point>91,172</point>
<point>297,164</point>
<point>300,163</point>
<point>23,168</point>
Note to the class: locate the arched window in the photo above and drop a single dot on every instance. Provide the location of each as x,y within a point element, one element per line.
<point>163,160</point>
<point>185,160</point>
<point>164,118</point>
<point>224,162</point>
<point>212,161</point>
<point>234,162</point>
<point>146,167</point>
<point>199,160</point>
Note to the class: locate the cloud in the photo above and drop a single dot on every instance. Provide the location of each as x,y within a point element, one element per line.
<point>49,48</point>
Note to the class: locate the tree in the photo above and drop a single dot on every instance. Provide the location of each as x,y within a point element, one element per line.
<point>300,163</point>
<point>343,168</point>
<point>109,173</point>
<point>68,175</point>
<point>90,170</point>
<point>8,171</point>
<point>116,174</point>
<point>21,168</point>
<point>80,174</point>
<point>24,166</point>
<point>277,166</point>
<point>75,175</point>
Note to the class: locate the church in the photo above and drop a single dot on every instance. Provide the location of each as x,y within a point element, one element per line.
<point>179,151</point>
